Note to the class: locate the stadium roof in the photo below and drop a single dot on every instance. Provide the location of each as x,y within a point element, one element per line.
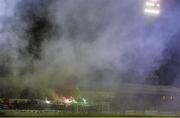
<point>132,89</point>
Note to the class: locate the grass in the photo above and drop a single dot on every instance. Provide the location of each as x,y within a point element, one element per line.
<point>15,113</point>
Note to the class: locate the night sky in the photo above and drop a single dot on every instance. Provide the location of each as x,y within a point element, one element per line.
<point>169,71</point>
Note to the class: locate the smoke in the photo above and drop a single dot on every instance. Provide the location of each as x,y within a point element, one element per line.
<point>67,45</point>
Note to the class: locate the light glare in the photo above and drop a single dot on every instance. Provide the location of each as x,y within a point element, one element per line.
<point>47,101</point>
<point>152,7</point>
<point>152,11</point>
<point>158,5</point>
<point>150,4</point>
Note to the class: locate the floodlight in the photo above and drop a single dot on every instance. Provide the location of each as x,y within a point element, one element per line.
<point>152,7</point>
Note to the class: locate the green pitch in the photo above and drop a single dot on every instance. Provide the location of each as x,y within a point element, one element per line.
<point>97,117</point>
<point>55,114</point>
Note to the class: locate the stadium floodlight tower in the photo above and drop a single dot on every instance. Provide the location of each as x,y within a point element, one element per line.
<point>152,7</point>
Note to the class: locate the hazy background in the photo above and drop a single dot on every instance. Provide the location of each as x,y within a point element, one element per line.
<point>66,45</point>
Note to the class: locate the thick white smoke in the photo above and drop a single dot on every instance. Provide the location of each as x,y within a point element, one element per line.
<point>97,43</point>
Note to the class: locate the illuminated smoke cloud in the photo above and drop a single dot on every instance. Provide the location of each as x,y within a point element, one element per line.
<point>94,44</point>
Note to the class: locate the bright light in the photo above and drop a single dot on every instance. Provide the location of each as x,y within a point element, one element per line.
<point>150,4</point>
<point>158,5</point>
<point>152,7</point>
<point>47,101</point>
<point>74,101</point>
<point>152,11</point>
<point>68,100</point>
<point>155,0</point>
<point>84,101</point>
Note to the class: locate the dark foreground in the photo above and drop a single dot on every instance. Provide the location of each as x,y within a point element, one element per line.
<point>36,113</point>
<point>109,117</point>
